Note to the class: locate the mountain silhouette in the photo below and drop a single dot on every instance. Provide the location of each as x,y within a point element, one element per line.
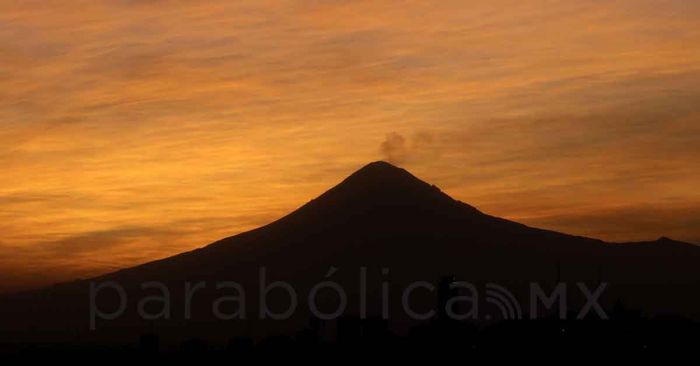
<point>385,220</point>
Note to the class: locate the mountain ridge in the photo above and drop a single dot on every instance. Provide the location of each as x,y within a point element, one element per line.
<point>384,197</point>
<point>383,217</point>
<point>377,179</point>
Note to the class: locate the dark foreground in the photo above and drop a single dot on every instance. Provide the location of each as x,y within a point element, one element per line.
<point>623,334</point>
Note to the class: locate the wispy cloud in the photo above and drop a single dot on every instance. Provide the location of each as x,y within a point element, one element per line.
<point>149,114</point>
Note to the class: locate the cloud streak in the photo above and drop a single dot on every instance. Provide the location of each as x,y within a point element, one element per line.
<point>224,115</point>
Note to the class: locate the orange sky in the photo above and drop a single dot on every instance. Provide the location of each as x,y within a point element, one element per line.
<point>132,130</point>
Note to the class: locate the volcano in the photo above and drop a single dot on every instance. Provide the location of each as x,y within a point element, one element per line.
<point>381,221</point>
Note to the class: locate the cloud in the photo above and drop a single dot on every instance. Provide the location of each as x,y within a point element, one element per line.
<point>221,115</point>
<point>421,147</point>
<point>393,148</point>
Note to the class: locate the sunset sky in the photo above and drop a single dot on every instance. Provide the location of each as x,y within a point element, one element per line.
<point>132,130</point>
